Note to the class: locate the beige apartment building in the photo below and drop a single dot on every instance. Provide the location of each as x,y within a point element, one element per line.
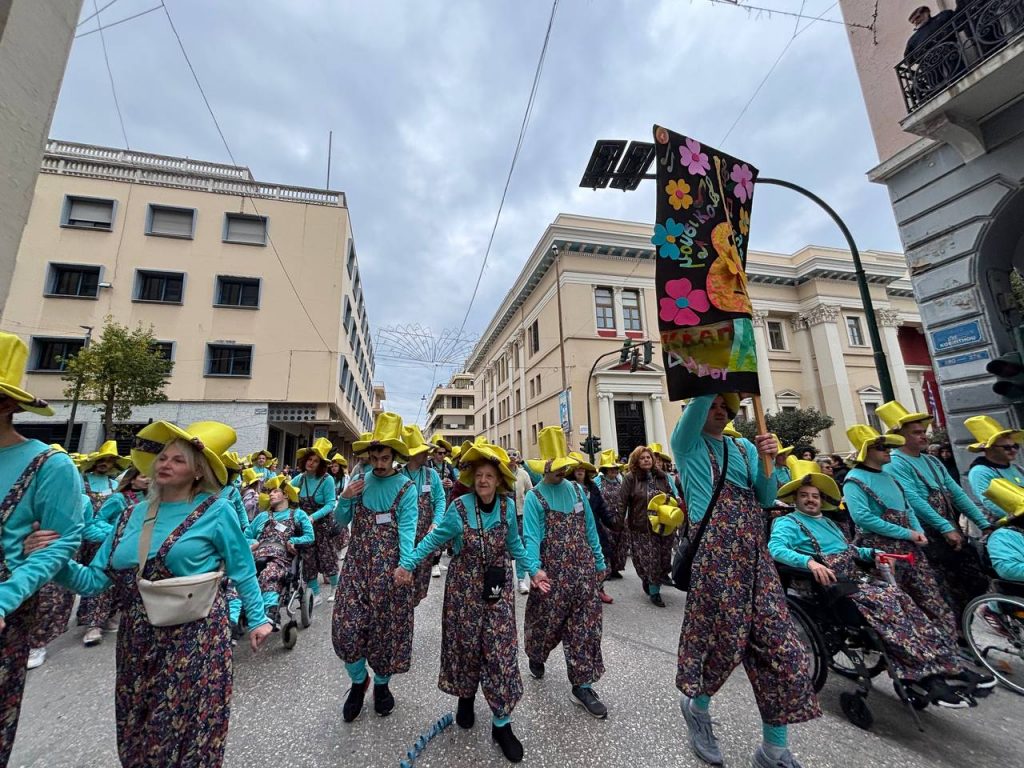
<point>451,411</point>
<point>252,288</point>
<point>589,285</point>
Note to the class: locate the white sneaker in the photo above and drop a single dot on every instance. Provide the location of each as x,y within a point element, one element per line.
<point>112,625</point>
<point>92,636</point>
<point>524,586</point>
<point>36,657</point>
<point>330,597</point>
<point>317,600</point>
<point>436,572</point>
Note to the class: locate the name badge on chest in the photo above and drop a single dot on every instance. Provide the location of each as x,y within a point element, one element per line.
<point>382,519</point>
<point>577,507</point>
<point>425,488</point>
<point>280,527</point>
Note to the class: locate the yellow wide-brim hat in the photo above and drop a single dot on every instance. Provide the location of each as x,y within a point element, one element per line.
<point>608,460</point>
<point>668,515</point>
<point>806,472</point>
<point>282,482</point>
<point>554,453</point>
<point>232,463</point>
<point>987,430</point>
<point>415,445</point>
<point>477,453</point>
<point>1006,495</point>
<point>731,431</point>
<point>268,454</point>
<point>364,439</point>
<point>339,459</point>
<point>658,450</point>
<point>321,447</point>
<point>896,417</point>
<point>782,451</point>
<point>582,461</point>
<point>13,361</point>
<point>210,437</point>
<point>440,442</point>
<point>387,433</point>
<point>106,451</point>
<point>249,476</point>
<point>862,437</point>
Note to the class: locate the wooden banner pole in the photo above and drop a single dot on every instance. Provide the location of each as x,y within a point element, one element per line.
<point>762,429</point>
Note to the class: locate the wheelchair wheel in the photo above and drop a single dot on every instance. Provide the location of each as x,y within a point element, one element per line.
<point>855,663</point>
<point>289,635</point>
<point>994,627</point>
<point>306,608</point>
<point>809,635</point>
<point>856,710</point>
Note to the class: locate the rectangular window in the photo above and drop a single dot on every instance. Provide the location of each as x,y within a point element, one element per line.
<point>854,331</point>
<point>533,434</point>
<point>88,213</point>
<point>164,348</point>
<point>538,384</point>
<point>776,336</point>
<point>456,401</point>
<point>519,400</point>
<point>533,389</point>
<point>872,417</point>
<point>229,360</point>
<point>350,263</point>
<point>163,287</point>
<point>535,337</point>
<point>631,311</point>
<point>245,229</point>
<point>604,306</point>
<point>52,354</point>
<point>166,221</point>
<point>74,280</point>
<point>238,292</point>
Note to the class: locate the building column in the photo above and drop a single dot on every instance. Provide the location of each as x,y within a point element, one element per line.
<point>808,379</point>
<point>606,421</point>
<point>831,367</point>
<point>658,421</point>
<point>889,323</point>
<point>764,368</point>
<point>620,322</point>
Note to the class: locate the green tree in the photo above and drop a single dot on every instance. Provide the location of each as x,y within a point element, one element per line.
<point>798,427</point>
<point>120,371</point>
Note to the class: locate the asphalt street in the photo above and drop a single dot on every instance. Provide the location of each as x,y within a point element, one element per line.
<point>286,709</point>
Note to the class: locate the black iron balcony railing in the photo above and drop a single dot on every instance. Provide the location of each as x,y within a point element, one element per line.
<point>975,33</point>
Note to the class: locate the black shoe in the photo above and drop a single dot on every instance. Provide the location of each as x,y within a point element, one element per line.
<point>972,678</point>
<point>464,715</point>
<point>511,747</point>
<point>383,701</point>
<point>941,695</point>
<point>614,575</point>
<point>656,600</point>
<point>537,670</point>
<point>587,699</point>
<point>354,700</point>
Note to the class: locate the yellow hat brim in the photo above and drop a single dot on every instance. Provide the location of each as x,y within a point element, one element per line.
<point>829,489</point>
<point>479,453</point>
<point>290,491</point>
<point>911,418</point>
<point>1016,435</point>
<point>363,446</point>
<point>542,466</point>
<point>888,439</point>
<point>26,401</point>
<point>162,433</point>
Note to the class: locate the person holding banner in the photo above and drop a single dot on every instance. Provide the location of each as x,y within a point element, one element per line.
<point>735,609</point>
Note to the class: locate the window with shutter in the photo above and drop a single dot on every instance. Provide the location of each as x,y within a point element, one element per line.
<point>171,222</point>
<point>246,230</point>
<point>88,213</point>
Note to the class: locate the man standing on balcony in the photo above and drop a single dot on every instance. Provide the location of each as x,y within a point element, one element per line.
<point>925,25</point>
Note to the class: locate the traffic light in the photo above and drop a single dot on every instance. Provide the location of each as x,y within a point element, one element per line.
<point>648,352</point>
<point>627,347</point>
<point>1009,372</point>
<point>634,361</point>
<point>595,444</point>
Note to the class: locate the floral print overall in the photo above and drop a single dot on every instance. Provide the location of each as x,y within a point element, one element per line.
<point>320,557</point>
<point>570,613</point>
<point>479,640</point>
<point>273,550</point>
<point>96,611</point>
<point>918,580</point>
<point>172,698</point>
<point>373,616</point>
<point>916,648</point>
<point>736,614</point>
<point>652,553</point>
<point>423,522</point>
<point>618,538</point>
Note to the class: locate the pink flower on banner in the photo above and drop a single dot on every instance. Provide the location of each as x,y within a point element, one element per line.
<point>683,303</point>
<point>744,178</point>
<point>696,162</point>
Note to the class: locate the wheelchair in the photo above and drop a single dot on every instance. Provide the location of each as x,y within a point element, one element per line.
<point>993,625</point>
<point>295,602</point>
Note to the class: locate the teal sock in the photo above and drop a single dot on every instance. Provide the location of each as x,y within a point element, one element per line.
<point>356,671</point>
<point>775,735</point>
<point>381,679</point>
<point>702,702</point>
<point>585,685</point>
<point>500,722</point>
<point>314,585</point>
<point>654,589</point>
<point>334,581</point>
<point>234,610</point>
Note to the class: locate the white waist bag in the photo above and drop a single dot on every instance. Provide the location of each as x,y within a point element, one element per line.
<point>178,600</point>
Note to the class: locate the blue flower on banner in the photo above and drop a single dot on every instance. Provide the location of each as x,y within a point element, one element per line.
<point>666,237</point>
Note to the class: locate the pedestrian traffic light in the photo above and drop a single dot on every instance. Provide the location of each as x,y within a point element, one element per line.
<point>1009,372</point>
<point>627,347</point>
<point>648,352</point>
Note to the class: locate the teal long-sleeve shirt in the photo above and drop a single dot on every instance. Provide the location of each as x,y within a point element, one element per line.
<point>781,475</point>
<point>265,473</point>
<point>94,527</point>
<point>104,485</point>
<point>255,528</point>
<point>427,481</point>
<point>866,512</point>
<point>1006,551</point>
<point>322,491</point>
<point>214,538</point>
<point>561,497</point>
<point>378,495</point>
<point>231,495</point>
<point>790,546</point>
<point>690,450</point>
<point>450,529</point>
<point>936,477</point>
<point>979,477</point>
<point>52,501</point>
<point>114,506</point>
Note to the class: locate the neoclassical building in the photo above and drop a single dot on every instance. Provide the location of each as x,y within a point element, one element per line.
<point>588,286</point>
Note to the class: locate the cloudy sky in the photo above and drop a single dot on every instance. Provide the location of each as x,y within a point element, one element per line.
<point>426,99</point>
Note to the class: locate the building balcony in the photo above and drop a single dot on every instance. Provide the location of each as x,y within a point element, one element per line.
<point>968,69</point>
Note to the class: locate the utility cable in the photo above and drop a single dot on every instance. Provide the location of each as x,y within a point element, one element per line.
<point>792,14</point>
<point>110,74</point>
<point>96,13</point>
<point>115,23</point>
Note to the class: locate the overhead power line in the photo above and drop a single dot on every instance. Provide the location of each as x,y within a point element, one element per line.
<point>102,27</point>
<point>792,14</point>
<point>110,74</point>
<point>96,13</point>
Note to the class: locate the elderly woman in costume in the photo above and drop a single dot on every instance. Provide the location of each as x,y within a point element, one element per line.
<point>479,641</point>
<point>919,652</point>
<point>652,553</point>
<point>318,500</point>
<point>182,529</point>
<point>735,609</point>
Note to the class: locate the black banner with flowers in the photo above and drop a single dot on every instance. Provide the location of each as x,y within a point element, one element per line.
<point>701,233</point>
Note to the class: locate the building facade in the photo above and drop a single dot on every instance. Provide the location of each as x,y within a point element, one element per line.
<point>35,39</point>
<point>252,289</point>
<point>588,286</point>
<point>948,122</point>
<point>451,412</point>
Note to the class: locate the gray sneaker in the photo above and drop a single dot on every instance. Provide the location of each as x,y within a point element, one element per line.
<point>702,738</point>
<point>761,759</point>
